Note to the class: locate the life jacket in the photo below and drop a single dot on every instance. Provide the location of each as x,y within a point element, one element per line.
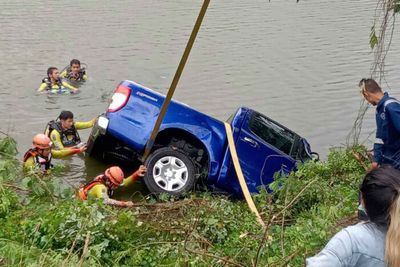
<point>50,86</point>
<point>79,78</point>
<point>56,125</point>
<point>43,163</point>
<point>100,179</point>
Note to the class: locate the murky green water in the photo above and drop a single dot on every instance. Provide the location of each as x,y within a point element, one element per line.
<point>297,63</point>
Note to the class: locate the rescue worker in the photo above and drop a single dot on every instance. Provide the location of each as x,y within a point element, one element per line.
<point>63,132</point>
<point>104,185</point>
<point>54,84</point>
<point>74,72</point>
<point>39,157</point>
<point>387,115</point>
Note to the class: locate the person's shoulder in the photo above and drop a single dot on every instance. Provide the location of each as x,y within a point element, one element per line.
<point>99,185</point>
<point>98,191</point>
<point>29,163</point>
<point>391,103</point>
<point>99,188</point>
<point>55,136</point>
<point>366,232</point>
<point>63,73</point>
<point>28,159</point>
<point>363,227</point>
<point>42,86</point>
<point>392,107</point>
<point>54,132</point>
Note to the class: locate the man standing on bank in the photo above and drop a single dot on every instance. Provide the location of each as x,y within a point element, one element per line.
<point>387,142</point>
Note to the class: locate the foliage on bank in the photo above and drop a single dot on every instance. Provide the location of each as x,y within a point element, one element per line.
<point>42,224</point>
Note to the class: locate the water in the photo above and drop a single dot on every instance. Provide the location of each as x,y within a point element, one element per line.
<point>297,63</point>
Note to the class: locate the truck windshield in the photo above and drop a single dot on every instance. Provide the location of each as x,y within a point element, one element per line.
<point>272,133</point>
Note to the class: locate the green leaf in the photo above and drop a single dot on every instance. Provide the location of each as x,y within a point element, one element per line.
<point>396,6</point>
<point>373,41</point>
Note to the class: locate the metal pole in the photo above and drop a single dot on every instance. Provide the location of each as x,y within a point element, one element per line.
<point>175,81</point>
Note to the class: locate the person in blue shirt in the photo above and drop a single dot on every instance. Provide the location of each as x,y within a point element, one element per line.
<point>374,243</point>
<point>387,142</point>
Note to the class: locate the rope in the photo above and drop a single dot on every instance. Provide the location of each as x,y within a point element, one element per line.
<point>239,174</point>
<point>175,81</point>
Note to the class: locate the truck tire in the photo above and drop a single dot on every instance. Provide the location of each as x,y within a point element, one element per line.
<point>169,171</point>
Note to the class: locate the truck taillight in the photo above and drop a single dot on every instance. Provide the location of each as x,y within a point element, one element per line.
<point>119,98</point>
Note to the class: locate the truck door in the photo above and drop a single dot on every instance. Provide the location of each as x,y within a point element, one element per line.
<point>263,148</point>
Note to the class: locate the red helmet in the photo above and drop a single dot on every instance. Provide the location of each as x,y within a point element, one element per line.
<point>41,141</point>
<point>115,174</point>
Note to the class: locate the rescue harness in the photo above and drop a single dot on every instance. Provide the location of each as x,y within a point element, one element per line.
<point>43,163</point>
<point>77,78</point>
<point>50,86</point>
<point>100,179</point>
<point>56,125</point>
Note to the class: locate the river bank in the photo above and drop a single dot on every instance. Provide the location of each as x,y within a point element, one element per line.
<point>44,225</point>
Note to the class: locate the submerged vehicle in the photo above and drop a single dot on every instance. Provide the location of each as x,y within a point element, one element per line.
<point>192,146</point>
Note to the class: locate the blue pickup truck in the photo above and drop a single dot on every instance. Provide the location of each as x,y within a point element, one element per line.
<point>191,146</point>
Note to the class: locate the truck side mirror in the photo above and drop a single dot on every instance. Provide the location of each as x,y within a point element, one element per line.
<point>306,150</point>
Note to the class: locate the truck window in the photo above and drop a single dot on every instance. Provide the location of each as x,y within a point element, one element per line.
<point>272,133</point>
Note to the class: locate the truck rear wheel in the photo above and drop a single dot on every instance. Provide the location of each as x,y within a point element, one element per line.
<point>169,171</point>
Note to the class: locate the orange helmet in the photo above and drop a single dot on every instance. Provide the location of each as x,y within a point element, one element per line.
<point>115,174</point>
<point>41,141</point>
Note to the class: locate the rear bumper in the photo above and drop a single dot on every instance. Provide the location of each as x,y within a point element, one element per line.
<point>99,129</point>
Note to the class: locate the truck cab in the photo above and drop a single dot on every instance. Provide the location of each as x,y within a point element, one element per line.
<point>265,148</point>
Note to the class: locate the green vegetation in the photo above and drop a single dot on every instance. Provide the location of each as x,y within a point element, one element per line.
<point>43,224</point>
<point>389,9</point>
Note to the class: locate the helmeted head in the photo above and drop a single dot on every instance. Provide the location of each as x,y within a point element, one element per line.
<point>42,143</point>
<point>115,175</point>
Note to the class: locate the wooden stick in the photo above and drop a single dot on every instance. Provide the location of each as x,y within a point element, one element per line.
<point>357,157</point>
<point>85,249</point>
<point>224,259</point>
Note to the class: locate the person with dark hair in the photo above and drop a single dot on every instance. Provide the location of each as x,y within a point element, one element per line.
<point>374,243</point>
<point>104,185</point>
<point>387,115</point>
<point>63,132</point>
<point>54,84</point>
<point>74,72</point>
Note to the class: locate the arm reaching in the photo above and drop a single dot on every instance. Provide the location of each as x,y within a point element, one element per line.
<point>79,125</point>
<point>139,173</point>
<point>101,191</point>
<point>59,151</point>
<point>63,153</point>
<point>118,203</point>
<point>70,87</point>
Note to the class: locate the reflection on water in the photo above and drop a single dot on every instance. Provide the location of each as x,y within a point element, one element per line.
<point>297,63</point>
